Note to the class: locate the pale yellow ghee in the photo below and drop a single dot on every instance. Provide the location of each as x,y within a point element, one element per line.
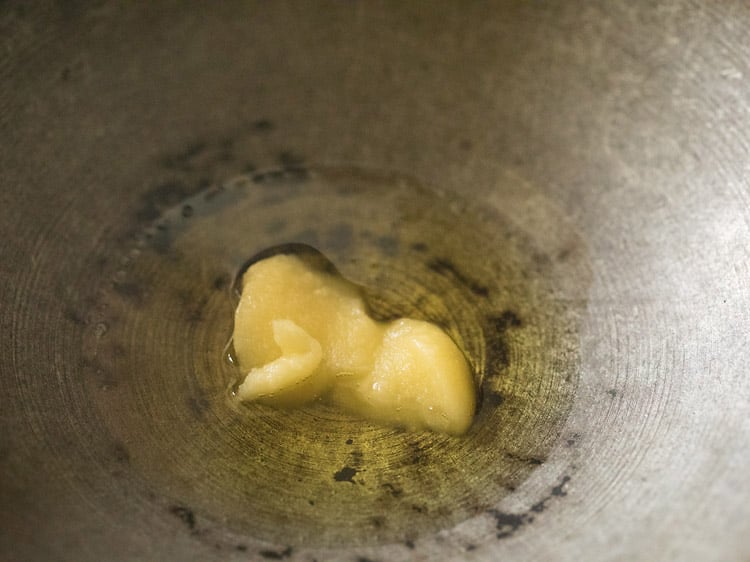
<point>301,333</point>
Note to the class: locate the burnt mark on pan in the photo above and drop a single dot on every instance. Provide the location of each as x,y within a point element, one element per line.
<point>507,524</point>
<point>289,159</point>
<point>186,515</point>
<point>160,198</point>
<point>557,492</point>
<point>530,460</point>
<point>198,406</point>
<point>346,474</point>
<point>74,317</point>
<point>120,453</point>
<point>466,145</point>
<point>263,126</point>
<point>185,158</point>
<point>277,554</point>
<point>493,398</point>
<point>221,282</point>
<point>497,326</point>
<point>447,268</point>
<point>201,155</point>
<point>392,490</point>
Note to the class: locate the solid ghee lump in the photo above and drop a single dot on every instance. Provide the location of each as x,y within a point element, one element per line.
<point>301,333</point>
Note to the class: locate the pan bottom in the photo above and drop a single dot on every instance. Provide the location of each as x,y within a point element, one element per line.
<point>316,476</point>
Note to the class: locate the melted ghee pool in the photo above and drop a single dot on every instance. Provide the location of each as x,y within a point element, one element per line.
<point>503,276</point>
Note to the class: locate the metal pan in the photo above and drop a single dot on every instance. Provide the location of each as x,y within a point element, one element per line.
<point>562,188</point>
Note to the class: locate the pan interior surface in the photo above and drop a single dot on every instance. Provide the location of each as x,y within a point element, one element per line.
<point>316,477</point>
<point>562,187</point>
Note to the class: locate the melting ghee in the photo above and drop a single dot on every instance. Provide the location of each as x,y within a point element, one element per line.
<point>302,333</point>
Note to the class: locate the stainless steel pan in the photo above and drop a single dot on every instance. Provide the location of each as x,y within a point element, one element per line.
<point>563,187</point>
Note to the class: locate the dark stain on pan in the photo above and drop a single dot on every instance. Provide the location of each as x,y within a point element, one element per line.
<point>160,198</point>
<point>198,406</point>
<point>447,268</point>
<point>346,474</point>
<point>497,346</point>
<point>74,317</point>
<point>221,282</point>
<point>263,126</point>
<point>565,253</point>
<point>465,144</point>
<point>184,514</point>
<point>507,524</point>
<point>506,319</point>
<point>493,398</point>
<point>534,461</point>
<point>422,509</point>
<point>120,453</point>
<point>277,554</point>
<point>388,244</point>
<point>184,159</point>
<point>541,260</point>
<point>290,159</point>
<point>192,305</point>
<point>392,490</point>
<point>129,290</point>
<point>557,492</point>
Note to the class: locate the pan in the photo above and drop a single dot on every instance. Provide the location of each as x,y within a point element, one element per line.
<point>562,188</point>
